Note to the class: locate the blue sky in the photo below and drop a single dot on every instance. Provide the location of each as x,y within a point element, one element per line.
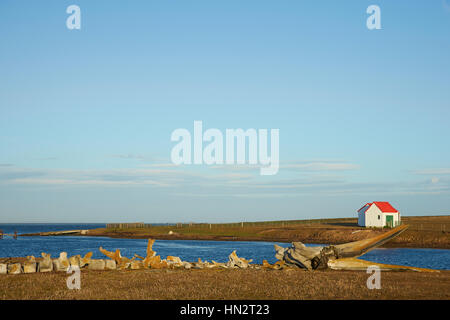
<point>86,115</point>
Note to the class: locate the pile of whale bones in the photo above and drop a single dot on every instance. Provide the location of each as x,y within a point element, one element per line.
<point>335,257</point>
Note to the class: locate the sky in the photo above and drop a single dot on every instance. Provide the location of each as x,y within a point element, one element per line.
<point>86,115</point>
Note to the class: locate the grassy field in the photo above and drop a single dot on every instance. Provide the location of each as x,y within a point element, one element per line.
<point>425,232</point>
<point>226,284</point>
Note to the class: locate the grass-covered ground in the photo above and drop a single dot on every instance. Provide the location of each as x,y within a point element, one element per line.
<point>226,284</point>
<point>424,232</point>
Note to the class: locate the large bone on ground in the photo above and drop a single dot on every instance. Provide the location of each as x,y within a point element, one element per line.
<point>219,264</point>
<point>86,259</point>
<point>14,268</point>
<point>175,261</point>
<point>97,264</point>
<point>212,264</point>
<point>155,263</point>
<point>122,262</point>
<point>30,266</point>
<point>276,266</point>
<point>204,264</point>
<point>151,258</point>
<point>200,264</point>
<point>235,262</point>
<point>150,252</point>
<point>136,265</point>
<point>3,268</point>
<point>358,248</point>
<point>116,256</point>
<point>298,255</point>
<point>75,260</point>
<point>352,264</point>
<point>110,264</point>
<point>46,264</point>
<point>61,263</point>
<point>317,257</point>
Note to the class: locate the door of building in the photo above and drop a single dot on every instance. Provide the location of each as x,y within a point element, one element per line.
<point>389,221</point>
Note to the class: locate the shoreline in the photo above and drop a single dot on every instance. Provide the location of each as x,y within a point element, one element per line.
<point>423,232</point>
<point>249,239</point>
<point>319,241</point>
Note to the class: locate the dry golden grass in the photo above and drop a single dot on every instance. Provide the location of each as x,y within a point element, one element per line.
<point>226,284</point>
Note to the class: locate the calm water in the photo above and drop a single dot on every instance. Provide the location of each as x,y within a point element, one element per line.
<point>188,250</point>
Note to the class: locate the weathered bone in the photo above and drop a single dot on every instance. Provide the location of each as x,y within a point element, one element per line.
<point>14,268</point>
<point>333,257</point>
<point>219,264</point>
<point>122,262</point>
<point>97,264</point>
<point>110,264</point>
<point>174,260</point>
<point>235,262</point>
<point>46,264</point>
<point>75,261</point>
<point>155,262</point>
<point>359,264</point>
<point>276,266</point>
<point>86,259</point>
<point>150,252</point>
<point>136,264</point>
<point>63,262</point>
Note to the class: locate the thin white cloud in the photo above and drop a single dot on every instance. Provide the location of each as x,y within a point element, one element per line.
<point>440,171</point>
<point>205,182</point>
<point>321,166</point>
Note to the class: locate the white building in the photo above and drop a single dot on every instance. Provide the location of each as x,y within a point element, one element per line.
<point>378,214</point>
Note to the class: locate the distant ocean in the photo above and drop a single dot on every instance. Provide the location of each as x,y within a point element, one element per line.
<point>188,250</point>
<point>44,227</point>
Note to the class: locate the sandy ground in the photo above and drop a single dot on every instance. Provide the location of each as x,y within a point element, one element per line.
<point>226,284</point>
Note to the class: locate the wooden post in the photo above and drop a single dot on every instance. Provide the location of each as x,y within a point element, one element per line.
<point>242,224</point>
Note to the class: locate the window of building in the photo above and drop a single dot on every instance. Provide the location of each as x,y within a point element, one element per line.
<point>379,217</point>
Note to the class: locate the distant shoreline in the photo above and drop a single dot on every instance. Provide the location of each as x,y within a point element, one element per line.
<point>424,232</point>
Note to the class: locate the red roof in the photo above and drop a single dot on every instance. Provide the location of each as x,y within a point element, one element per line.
<point>383,206</point>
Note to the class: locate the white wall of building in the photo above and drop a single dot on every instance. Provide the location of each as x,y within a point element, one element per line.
<point>374,217</point>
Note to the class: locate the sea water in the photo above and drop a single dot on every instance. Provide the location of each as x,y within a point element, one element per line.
<point>187,250</point>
